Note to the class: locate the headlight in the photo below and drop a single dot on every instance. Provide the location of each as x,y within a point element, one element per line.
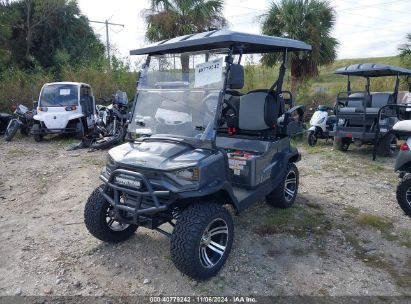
<point>110,161</point>
<point>189,174</point>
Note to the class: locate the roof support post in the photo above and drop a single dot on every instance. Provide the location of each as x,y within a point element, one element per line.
<point>367,86</point>
<point>348,85</point>
<point>281,75</point>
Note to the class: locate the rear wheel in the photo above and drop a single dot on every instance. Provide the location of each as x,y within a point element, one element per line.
<point>404,194</point>
<point>38,137</point>
<point>11,130</point>
<point>388,146</point>
<point>100,220</point>
<point>311,138</point>
<point>342,143</point>
<point>286,192</point>
<point>202,240</point>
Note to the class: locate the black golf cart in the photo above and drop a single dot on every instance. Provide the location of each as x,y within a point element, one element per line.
<point>357,113</point>
<point>200,144</point>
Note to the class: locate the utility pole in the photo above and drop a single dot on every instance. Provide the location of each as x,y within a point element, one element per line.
<point>107,24</point>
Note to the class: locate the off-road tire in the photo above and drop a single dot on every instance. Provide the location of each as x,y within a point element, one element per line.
<point>342,143</point>
<point>79,130</point>
<point>311,138</point>
<point>279,197</point>
<point>187,237</point>
<point>109,141</point>
<point>95,220</point>
<point>11,130</point>
<point>402,188</point>
<point>36,131</point>
<point>386,146</point>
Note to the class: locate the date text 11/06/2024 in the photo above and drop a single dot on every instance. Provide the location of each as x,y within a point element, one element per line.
<point>204,299</point>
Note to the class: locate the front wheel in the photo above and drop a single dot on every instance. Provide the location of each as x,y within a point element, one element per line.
<point>311,138</point>
<point>101,222</point>
<point>38,137</point>
<point>404,194</point>
<point>11,130</point>
<point>109,140</point>
<point>286,192</point>
<point>202,240</point>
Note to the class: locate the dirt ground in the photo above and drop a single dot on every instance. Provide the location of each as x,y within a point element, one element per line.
<point>345,235</point>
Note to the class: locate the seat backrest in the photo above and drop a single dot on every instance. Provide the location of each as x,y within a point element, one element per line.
<point>380,99</point>
<point>258,111</point>
<point>357,102</point>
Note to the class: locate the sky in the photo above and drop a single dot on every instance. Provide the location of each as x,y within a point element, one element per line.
<point>367,28</point>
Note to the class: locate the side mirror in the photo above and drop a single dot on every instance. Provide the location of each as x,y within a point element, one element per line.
<point>235,78</point>
<point>35,104</point>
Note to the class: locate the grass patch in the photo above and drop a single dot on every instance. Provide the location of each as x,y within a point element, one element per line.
<point>351,212</point>
<point>300,252</point>
<point>314,206</point>
<point>96,161</point>
<point>375,167</point>
<point>405,239</point>
<point>17,153</point>
<point>378,222</point>
<point>379,262</point>
<point>299,220</point>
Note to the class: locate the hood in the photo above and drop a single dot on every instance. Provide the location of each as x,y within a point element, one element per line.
<point>158,155</point>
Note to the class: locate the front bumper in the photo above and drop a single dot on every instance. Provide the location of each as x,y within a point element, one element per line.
<point>134,205</point>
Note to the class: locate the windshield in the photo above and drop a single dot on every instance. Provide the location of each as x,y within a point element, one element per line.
<point>178,95</point>
<point>59,95</point>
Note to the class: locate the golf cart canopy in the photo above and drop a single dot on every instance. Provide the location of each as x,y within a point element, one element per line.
<point>372,70</point>
<point>218,39</point>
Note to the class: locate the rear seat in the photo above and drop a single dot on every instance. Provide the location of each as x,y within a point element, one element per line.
<point>373,104</point>
<point>356,105</point>
<point>378,101</point>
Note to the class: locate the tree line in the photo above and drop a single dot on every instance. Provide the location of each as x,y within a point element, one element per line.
<point>52,40</point>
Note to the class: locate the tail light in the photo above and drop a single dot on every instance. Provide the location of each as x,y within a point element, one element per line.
<point>404,147</point>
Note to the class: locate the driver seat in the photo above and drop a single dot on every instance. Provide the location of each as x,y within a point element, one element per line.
<point>257,113</point>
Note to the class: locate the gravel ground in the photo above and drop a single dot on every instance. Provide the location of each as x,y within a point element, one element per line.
<point>345,235</point>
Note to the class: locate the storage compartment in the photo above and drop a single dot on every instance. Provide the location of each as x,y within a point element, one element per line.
<point>242,166</point>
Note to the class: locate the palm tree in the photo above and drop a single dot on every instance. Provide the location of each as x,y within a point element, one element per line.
<point>310,21</point>
<point>171,18</point>
<point>405,52</point>
<point>167,19</point>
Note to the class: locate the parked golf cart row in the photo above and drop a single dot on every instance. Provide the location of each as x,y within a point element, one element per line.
<point>362,117</point>
<point>69,107</point>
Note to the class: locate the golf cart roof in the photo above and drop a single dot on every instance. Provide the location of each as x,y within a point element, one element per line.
<point>251,43</point>
<point>372,70</point>
<point>67,83</point>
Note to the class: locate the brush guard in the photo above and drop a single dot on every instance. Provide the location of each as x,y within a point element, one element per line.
<point>134,207</point>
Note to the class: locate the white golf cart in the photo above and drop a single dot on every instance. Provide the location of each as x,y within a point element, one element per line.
<point>64,107</point>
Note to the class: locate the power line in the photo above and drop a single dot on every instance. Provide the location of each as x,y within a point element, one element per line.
<point>107,24</point>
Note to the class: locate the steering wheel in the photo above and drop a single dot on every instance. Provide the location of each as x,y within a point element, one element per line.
<point>229,110</point>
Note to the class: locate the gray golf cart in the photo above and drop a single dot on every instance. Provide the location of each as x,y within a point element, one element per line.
<point>199,144</point>
<point>358,115</point>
